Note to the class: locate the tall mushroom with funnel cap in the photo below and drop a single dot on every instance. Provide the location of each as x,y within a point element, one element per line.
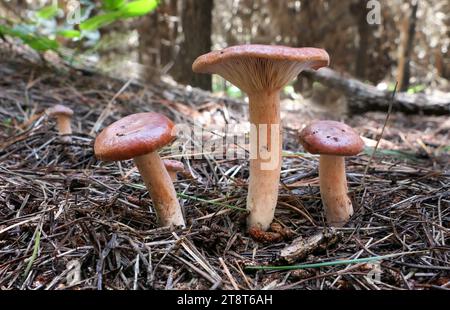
<point>138,137</point>
<point>63,117</point>
<point>333,141</point>
<point>262,71</point>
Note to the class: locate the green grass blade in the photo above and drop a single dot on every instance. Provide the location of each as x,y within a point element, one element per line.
<point>37,241</point>
<point>220,204</point>
<point>211,202</point>
<point>402,155</point>
<point>332,263</point>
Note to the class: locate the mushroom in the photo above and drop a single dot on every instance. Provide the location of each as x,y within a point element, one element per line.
<point>173,167</point>
<point>333,141</point>
<point>63,117</point>
<point>262,71</point>
<point>138,137</point>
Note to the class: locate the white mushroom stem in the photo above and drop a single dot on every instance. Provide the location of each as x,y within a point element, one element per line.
<point>63,123</point>
<point>333,190</point>
<point>161,189</point>
<point>265,159</point>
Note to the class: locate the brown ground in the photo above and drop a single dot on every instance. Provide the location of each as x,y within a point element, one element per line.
<point>60,208</point>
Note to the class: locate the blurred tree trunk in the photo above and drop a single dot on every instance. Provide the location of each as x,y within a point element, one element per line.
<point>157,35</point>
<point>407,47</point>
<point>360,11</point>
<point>170,33</point>
<point>149,47</point>
<point>14,9</point>
<point>446,60</point>
<point>196,18</point>
<point>309,12</point>
<point>438,62</point>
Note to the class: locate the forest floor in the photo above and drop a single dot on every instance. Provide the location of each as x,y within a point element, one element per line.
<point>68,221</point>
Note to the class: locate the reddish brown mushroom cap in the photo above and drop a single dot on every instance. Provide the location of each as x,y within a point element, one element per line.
<point>173,165</point>
<point>59,109</point>
<point>318,57</point>
<point>331,138</point>
<point>133,136</point>
<point>257,67</point>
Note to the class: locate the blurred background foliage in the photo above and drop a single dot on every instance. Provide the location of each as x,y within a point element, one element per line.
<point>148,39</point>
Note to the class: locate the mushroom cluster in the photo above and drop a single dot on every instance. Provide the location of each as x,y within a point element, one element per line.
<point>261,71</point>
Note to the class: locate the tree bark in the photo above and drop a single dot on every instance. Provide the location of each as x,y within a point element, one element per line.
<point>406,48</point>
<point>196,20</point>
<point>157,36</point>
<point>364,98</point>
<point>149,47</point>
<point>360,11</point>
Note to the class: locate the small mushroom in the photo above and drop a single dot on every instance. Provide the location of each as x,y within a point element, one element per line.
<point>333,141</point>
<point>63,117</point>
<point>173,167</point>
<point>138,137</point>
<point>262,71</point>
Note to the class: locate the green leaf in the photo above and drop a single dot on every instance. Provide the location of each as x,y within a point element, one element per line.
<point>7,121</point>
<point>69,33</point>
<point>41,44</point>
<point>138,8</point>
<point>289,89</point>
<point>19,31</point>
<point>112,5</point>
<point>5,30</point>
<point>416,89</point>
<point>47,12</point>
<point>234,92</point>
<point>38,43</point>
<point>98,21</point>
